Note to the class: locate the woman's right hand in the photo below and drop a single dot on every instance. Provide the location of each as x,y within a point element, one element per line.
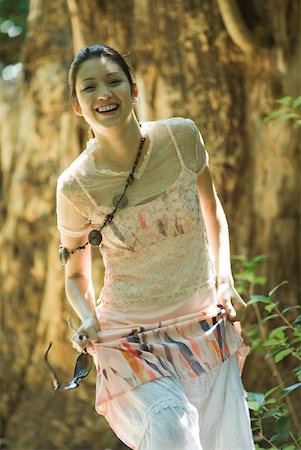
<point>86,334</point>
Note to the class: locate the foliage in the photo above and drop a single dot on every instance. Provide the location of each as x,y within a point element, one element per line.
<point>272,412</point>
<point>289,110</point>
<point>13,14</point>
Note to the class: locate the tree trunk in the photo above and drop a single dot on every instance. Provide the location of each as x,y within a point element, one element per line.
<point>186,65</point>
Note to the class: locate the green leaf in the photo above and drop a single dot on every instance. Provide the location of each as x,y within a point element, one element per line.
<point>259,259</point>
<point>297,102</point>
<point>274,114</point>
<point>273,350</point>
<point>296,340</point>
<point>282,427</point>
<point>284,100</point>
<point>281,355</point>
<point>274,438</point>
<point>270,391</point>
<point>270,413</point>
<point>271,342</point>
<point>286,116</point>
<point>244,276</point>
<point>277,287</point>
<point>297,332</point>
<point>254,406</point>
<point>289,447</point>
<point>250,277</point>
<point>289,389</point>
<point>297,371</point>
<point>238,257</point>
<point>270,317</point>
<point>278,332</point>
<point>291,115</point>
<point>269,308</point>
<point>259,299</point>
<point>297,320</point>
<point>255,401</point>
<point>270,401</point>
<point>289,308</point>
<point>260,280</point>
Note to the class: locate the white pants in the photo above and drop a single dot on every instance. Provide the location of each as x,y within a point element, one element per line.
<point>207,413</point>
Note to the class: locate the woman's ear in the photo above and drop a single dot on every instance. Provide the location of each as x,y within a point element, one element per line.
<point>134,93</point>
<point>76,108</point>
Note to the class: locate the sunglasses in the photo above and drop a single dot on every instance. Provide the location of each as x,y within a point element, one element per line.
<point>82,369</point>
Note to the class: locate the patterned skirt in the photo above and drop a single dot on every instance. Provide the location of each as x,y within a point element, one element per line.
<point>135,349</point>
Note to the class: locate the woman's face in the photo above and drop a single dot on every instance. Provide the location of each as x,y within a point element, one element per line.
<point>104,96</point>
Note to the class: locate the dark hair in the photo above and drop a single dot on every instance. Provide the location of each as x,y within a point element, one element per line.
<point>94,51</point>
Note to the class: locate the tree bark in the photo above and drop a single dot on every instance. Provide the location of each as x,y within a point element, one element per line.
<point>186,65</point>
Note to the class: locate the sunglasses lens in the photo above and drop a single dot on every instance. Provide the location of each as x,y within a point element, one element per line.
<point>72,385</point>
<point>82,366</point>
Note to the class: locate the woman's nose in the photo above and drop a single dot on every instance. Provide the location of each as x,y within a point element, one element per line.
<point>103,92</point>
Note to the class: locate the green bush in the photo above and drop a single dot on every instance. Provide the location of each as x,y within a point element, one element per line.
<point>276,335</point>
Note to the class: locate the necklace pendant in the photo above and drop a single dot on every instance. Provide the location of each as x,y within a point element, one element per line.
<point>95,238</point>
<point>64,255</point>
<point>120,201</point>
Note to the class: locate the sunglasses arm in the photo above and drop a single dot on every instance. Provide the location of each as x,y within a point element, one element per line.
<point>55,380</point>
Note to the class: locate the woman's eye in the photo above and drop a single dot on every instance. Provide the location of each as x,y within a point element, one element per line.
<point>86,88</point>
<point>114,82</point>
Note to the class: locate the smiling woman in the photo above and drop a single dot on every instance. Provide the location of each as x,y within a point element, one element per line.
<point>162,334</point>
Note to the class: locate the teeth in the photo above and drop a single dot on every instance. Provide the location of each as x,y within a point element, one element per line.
<point>106,108</point>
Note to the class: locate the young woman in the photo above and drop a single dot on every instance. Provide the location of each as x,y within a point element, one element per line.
<point>162,335</point>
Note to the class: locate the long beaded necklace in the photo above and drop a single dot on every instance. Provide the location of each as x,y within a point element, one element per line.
<point>119,201</point>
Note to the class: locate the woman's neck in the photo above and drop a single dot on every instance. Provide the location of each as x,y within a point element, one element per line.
<point>118,147</point>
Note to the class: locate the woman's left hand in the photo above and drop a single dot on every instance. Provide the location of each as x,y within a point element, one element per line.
<point>225,293</point>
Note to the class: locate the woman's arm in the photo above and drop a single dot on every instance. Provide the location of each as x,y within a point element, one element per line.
<point>79,290</point>
<point>218,236</point>
<point>216,225</point>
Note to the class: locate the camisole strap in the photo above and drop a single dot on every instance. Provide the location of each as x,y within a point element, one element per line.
<point>86,191</point>
<point>176,146</point>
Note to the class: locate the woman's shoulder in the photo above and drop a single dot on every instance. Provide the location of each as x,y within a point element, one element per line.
<point>178,125</point>
<point>77,169</point>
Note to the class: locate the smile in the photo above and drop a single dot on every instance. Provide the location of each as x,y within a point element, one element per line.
<point>108,108</point>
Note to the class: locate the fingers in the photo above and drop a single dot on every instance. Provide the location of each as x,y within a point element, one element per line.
<point>85,345</point>
<point>90,349</point>
<point>79,342</point>
<point>225,293</point>
<point>231,313</point>
<point>90,328</point>
<point>87,333</point>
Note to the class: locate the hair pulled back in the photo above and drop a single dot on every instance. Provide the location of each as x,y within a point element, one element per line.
<point>94,51</point>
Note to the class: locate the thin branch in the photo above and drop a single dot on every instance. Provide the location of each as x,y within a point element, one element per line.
<point>236,26</point>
